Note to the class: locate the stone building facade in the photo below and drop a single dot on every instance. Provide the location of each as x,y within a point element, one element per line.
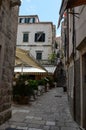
<point>36,37</point>
<point>8,32</point>
<point>74,27</point>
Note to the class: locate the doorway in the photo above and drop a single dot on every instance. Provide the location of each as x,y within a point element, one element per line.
<point>0,63</point>
<point>84,88</point>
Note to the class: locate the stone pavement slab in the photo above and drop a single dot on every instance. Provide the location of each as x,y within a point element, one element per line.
<point>50,123</point>
<point>34,129</point>
<point>49,112</point>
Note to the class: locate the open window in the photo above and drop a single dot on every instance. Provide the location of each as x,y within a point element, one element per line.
<point>39,37</point>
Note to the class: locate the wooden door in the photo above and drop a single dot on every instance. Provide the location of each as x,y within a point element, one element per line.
<point>84,88</point>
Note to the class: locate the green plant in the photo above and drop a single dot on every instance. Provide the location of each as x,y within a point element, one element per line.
<point>22,89</point>
<point>52,57</point>
<point>33,84</point>
<point>41,82</point>
<point>23,77</point>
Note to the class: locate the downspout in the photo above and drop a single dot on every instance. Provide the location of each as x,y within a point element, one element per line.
<point>67,52</point>
<point>67,37</point>
<point>74,55</point>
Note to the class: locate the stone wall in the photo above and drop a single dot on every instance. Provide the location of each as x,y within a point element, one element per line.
<point>8,32</point>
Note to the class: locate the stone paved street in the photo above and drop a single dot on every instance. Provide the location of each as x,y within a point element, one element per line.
<point>49,112</point>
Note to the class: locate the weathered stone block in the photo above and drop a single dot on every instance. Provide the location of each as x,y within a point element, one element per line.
<point>8,33</point>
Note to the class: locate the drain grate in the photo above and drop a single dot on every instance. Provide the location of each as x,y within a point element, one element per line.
<point>12,129</point>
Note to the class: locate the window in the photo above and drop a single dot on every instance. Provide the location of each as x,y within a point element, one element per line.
<point>39,55</point>
<point>26,20</point>
<point>25,37</point>
<point>40,37</point>
<point>22,20</point>
<point>33,20</point>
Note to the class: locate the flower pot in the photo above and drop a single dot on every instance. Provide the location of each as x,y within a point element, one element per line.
<point>23,100</point>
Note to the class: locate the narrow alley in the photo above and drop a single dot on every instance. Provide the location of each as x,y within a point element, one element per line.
<point>49,112</point>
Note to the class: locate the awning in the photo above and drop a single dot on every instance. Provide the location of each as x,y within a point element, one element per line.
<point>67,4</point>
<point>22,57</point>
<point>18,61</point>
<point>36,71</point>
<point>50,69</point>
<point>29,70</point>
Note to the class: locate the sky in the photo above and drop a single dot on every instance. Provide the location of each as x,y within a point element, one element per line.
<point>47,10</point>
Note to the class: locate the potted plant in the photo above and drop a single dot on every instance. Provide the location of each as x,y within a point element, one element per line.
<point>42,85</point>
<point>50,82</point>
<point>22,91</point>
<point>33,84</point>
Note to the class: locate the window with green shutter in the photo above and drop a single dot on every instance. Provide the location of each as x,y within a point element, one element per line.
<point>39,55</point>
<point>25,37</point>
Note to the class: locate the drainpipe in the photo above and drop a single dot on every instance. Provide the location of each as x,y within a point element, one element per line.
<point>67,37</point>
<point>67,50</point>
<point>74,55</point>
